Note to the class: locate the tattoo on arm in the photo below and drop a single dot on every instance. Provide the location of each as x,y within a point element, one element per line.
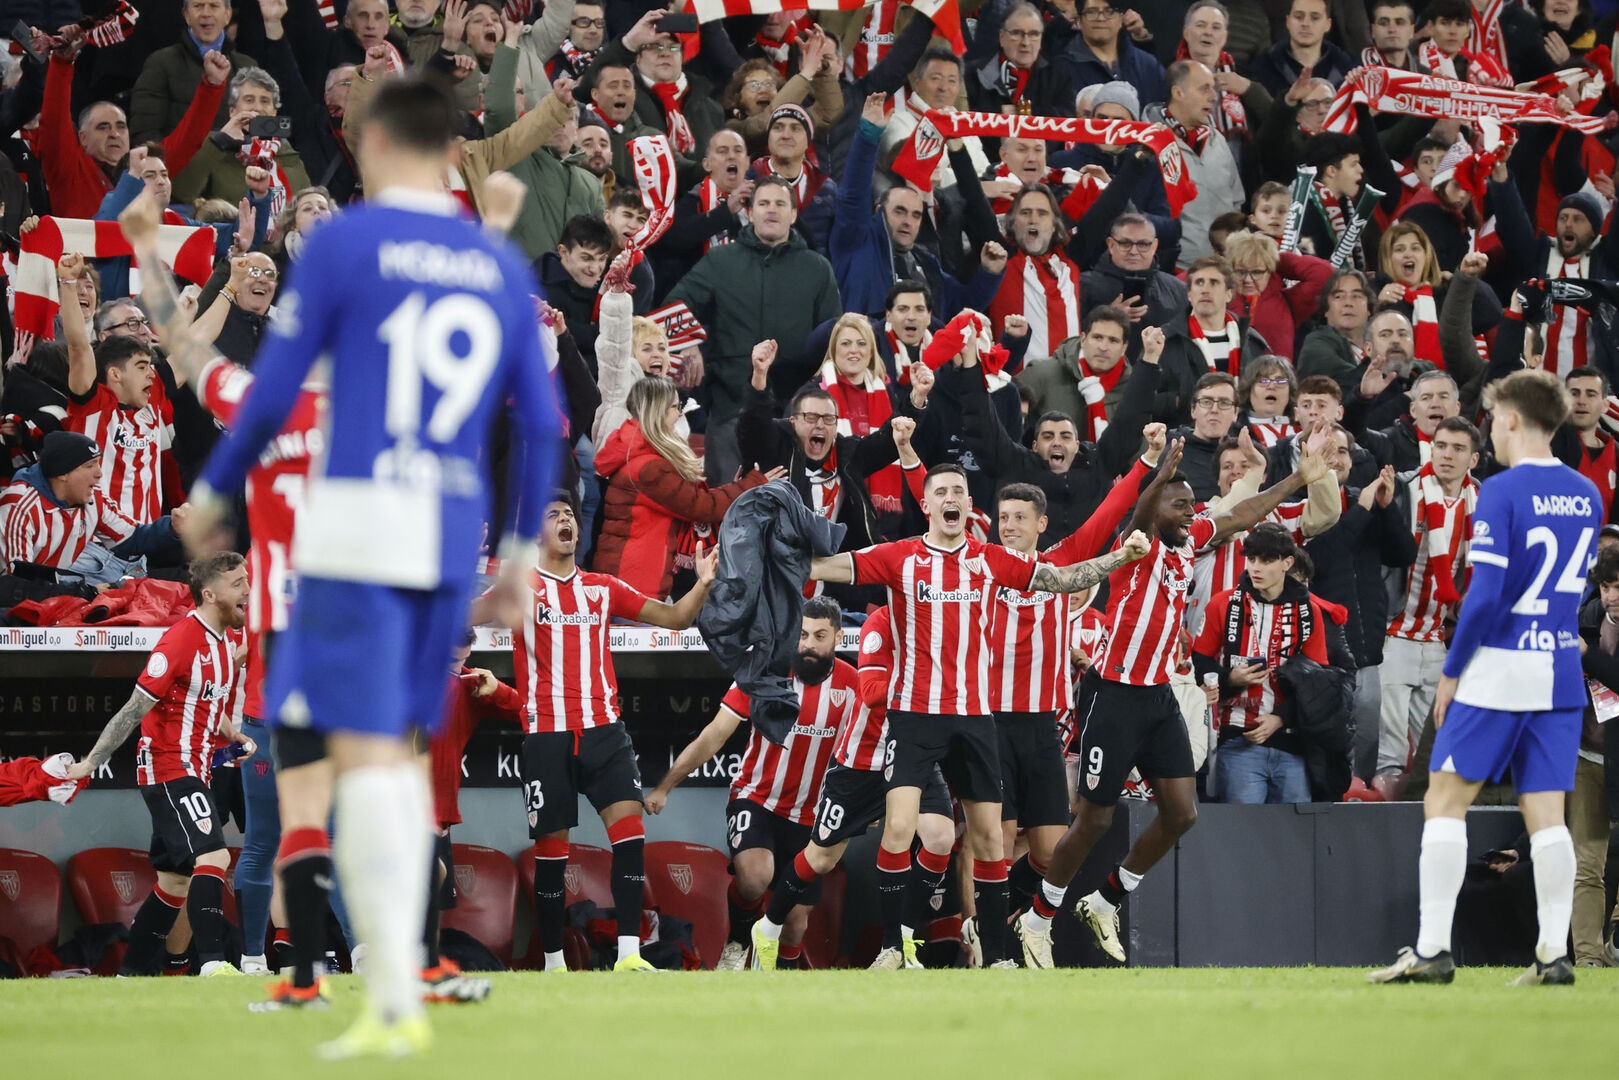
<point>124,721</point>
<point>1077,578</point>
<point>186,354</point>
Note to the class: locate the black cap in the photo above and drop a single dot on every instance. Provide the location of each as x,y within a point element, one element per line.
<point>64,451</point>
<point>1609,530</point>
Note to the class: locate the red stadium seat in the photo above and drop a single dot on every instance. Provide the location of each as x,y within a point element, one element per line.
<point>486,898</point>
<point>824,936</point>
<point>110,884</point>
<point>689,881</point>
<point>30,899</point>
<point>589,877</point>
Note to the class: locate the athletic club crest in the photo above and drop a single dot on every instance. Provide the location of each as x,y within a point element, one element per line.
<point>123,883</point>
<point>11,884</point>
<point>839,697</point>
<point>680,874</point>
<point>205,826</point>
<point>570,878</point>
<point>466,880</point>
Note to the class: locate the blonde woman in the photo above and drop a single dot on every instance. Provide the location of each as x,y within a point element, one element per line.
<point>854,376</point>
<point>1412,282</point>
<point>655,503</point>
<point>1275,310</point>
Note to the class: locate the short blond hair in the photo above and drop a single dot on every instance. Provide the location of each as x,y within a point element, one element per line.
<point>644,330</point>
<point>1251,248</point>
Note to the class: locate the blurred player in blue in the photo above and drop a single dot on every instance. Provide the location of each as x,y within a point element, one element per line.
<point>1512,693</point>
<point>428,328</point>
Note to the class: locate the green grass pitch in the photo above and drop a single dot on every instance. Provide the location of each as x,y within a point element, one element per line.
<point>1116,1025</point>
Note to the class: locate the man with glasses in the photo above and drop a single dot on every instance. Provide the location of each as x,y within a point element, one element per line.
<point>1018,79</point>
<point>587,29</point>
<point>1101,52</point>
<point>1305,46</point>
<point>122,318</point>
<point>1127,274</point>
<point>1214,411</point>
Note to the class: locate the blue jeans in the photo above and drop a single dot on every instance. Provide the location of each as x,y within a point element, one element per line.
<point>1253,774</point>
<point>99,566</point>
<point>255,869</point>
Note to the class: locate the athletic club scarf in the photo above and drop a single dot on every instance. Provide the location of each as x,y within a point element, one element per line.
<point>328,14</point>
<point>944,14</point>
<point>113,27</point>
<point>1425,323</point>
<point>1444,520</point>
<point>1292,623</point>
<point>1094,389</point>
<point>188,249</point>
<point>709,198</point>
<point>952,338</point>
<point>654,166</point>
<point>876,38</point>
<point>1045,290</point>
<point>1230,115</point>
<point>1486,38</point>
<point>571,60</point>
<point>607,123</point>
<point>672,97</point>
<point>805,188</point>
<point>1566,330</point>
<point>1226,357</point>
<point>1270,430</point>
<point>902,355</point>
<point>1014,81</point>
<point>519,10</point>
<point>1055,179</point>
<point>1156,137</point>
<point>1412,94</point>
<point>862,409</point>
<point>262,152</point>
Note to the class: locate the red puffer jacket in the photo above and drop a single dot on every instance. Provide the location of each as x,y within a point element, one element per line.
<point>649,511</point>
<point>1277,313</point>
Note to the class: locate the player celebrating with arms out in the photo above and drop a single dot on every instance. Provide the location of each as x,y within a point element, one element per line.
<point>183,703</point>
<point>1512,693</point>
<point>775,793</point>
<point>576,742</point>
<point>427,324</point>
<point>941,597</point>
<point>1133,720</point>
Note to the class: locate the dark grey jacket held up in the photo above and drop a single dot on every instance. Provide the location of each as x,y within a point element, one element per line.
<point>751,620</point>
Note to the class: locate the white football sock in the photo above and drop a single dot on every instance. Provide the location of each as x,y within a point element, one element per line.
<point>1440,870</point>
<point>770,931</point>
<point>1053,895</point>
<point>1129,880</point>
<point>382,850</point>
<point>1552,851</point>
<point>555,960</point>
<point>628,945</point>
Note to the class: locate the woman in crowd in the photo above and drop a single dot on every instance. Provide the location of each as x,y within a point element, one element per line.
<point>758,89</point>
<point>311,207</point>
<point>1274,309</point>
<point>1266,392</point>
<point>655,506</point>
<point>1410,279</point>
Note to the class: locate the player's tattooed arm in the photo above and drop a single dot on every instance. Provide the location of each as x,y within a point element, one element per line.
<point>118,729</point>
<point>1085,575</point>
<point>1250,512</point>
<point>189,345</point>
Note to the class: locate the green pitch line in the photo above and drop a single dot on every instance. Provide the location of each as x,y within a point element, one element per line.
<point>1115,1025</point>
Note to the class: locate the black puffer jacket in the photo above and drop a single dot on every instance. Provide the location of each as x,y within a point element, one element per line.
<point>1349,561</point>
<point>751,620</point>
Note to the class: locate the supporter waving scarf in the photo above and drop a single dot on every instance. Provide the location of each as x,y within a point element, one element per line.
<point>1229,114</point>
<point>1409,93</point>
<point>1425,324</point>
<point>1486,38</point>
<point>1444,523</point>
<point>864,407</point>
<point>944,14</point>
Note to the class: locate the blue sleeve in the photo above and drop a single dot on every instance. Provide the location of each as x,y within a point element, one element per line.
<point>306,310</point>
<point>127,190</point>
<point>151,539</point>
<point>1487,555</point>
<point>536,431</point>
<point>853,207</point>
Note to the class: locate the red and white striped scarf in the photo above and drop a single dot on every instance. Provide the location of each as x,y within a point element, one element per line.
<point>1567,333</point>
<point>862,409</point>
<point>188,249</point>
<point>1486,38</point>
<point>709,198</point>
<point>571,60</point>
<point>1226,358</point>
<point>672,97</point>
<point>902,355</point>
<point>1045,290</point>
<point>944,14</point>
<point>1410,93</point>
<point>1445,520</point>
<point>519,10</point>
<point>1425,324</point>
<point>876,38</point>
<point>608,124</point>
<point>328,13</point>
<point>262,152</point>
<point>1094,388</point>
<point>114,26</point>
<point>1053,179</point>
<point>1270,430</point>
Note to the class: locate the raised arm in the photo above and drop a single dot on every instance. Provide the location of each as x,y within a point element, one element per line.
<point>1085,575</point>
<point>836,569</point>
<point>81,360</point>
<point>1146,515</point>
<point>118,729</point>
<point>190,346</point>
<point>1250,512</point>
<point>683,612</point>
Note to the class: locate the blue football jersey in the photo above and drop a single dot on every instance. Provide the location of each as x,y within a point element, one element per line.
<point>1517,642</point>
<point>426,328</point>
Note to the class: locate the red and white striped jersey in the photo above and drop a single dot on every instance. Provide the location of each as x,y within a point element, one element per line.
<point>786,779</point>
<point>34,529</point>
<point>196,680</point>
<point>861,742</point>
<point>1421,615</point>
<point>1218,569</point>
<point>1567,333</point>
<point>275,492</point>
<point>1147,607</point>
<point>132,442</point>
<point>1087,630</point>
<point>1268,431</point>
<point>876,38</point>
<point>941,603</point>
<point>564,669</point>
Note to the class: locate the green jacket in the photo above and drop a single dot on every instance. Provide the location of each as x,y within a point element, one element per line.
<point>745,292</point>
<point>1054,382</point>
<point>557,191</point>
<point>216,173</point>
<point>167,83</point>
<point>1325,351</point>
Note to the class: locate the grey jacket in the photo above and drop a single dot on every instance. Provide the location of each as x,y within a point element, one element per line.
<point>751,619</point>
<point>1219,189</point>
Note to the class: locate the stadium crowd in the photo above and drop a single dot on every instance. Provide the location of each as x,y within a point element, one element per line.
<point>1292,273</point>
